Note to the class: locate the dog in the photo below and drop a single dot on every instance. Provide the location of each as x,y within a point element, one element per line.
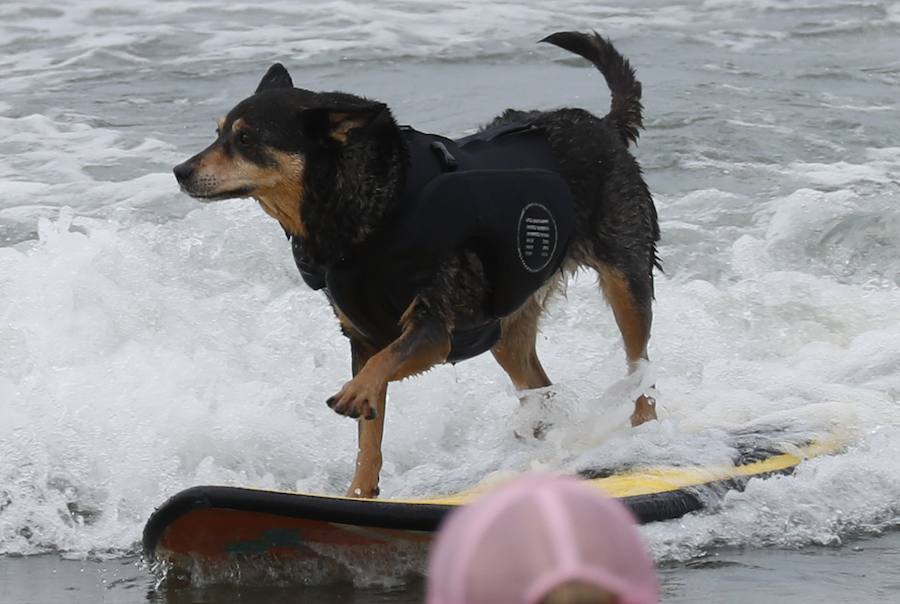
<point>432,250</point>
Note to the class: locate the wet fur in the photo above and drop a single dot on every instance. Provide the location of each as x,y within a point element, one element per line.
<point>344,159</point>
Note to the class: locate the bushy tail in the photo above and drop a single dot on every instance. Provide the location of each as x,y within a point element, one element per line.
<point>626,89</point>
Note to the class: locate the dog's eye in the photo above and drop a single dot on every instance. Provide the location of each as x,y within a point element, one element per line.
<point>244,138</point>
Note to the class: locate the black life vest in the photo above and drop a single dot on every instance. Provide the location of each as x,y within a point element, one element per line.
<point>497,193</point>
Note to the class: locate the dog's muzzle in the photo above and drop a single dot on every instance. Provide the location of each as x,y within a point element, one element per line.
<point>183,172</point>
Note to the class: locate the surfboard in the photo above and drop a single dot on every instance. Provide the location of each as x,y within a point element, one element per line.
<point>222,524</point>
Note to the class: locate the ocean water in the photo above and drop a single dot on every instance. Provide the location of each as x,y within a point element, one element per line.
<point>149,343</point>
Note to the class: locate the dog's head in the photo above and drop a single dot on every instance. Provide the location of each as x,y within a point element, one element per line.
<point>266,145</point>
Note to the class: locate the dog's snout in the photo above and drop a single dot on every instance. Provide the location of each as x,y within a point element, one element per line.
<point>184,171</point>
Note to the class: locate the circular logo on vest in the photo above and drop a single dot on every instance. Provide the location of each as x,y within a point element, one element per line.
<point>537,237</point>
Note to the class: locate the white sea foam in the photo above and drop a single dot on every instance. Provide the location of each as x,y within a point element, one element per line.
<point>146,359</point>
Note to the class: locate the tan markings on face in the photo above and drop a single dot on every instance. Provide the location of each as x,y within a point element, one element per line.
<point>219,124</point>
<point>238,125</point>
<point>278,188</point>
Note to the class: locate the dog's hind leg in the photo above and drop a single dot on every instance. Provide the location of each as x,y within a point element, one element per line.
<point>368,454</point>
<point>630,302</point>
<point>515,352</point>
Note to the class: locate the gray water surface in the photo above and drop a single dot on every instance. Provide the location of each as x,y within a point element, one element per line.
<point>864,570</point>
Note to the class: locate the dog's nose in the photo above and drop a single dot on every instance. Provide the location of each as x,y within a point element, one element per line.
<point>183,171</point>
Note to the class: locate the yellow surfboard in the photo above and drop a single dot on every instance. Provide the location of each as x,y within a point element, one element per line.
<point>215,524</point>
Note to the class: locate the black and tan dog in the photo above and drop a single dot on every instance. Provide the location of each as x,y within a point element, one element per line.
<point>432,250</point>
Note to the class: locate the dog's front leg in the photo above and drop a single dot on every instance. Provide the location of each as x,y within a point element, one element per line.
<point>368,454</point>
<point>424,342</point>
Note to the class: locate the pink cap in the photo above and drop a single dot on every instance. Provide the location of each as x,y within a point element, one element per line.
<point>522,541</point>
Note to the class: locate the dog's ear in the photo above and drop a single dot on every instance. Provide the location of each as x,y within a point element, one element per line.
<point>336,123</point>
<point>276,77</point>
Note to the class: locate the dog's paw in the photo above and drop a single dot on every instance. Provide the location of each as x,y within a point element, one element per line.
<point>356,399</point>
<point>644,410</point>
<point>363,492</point>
